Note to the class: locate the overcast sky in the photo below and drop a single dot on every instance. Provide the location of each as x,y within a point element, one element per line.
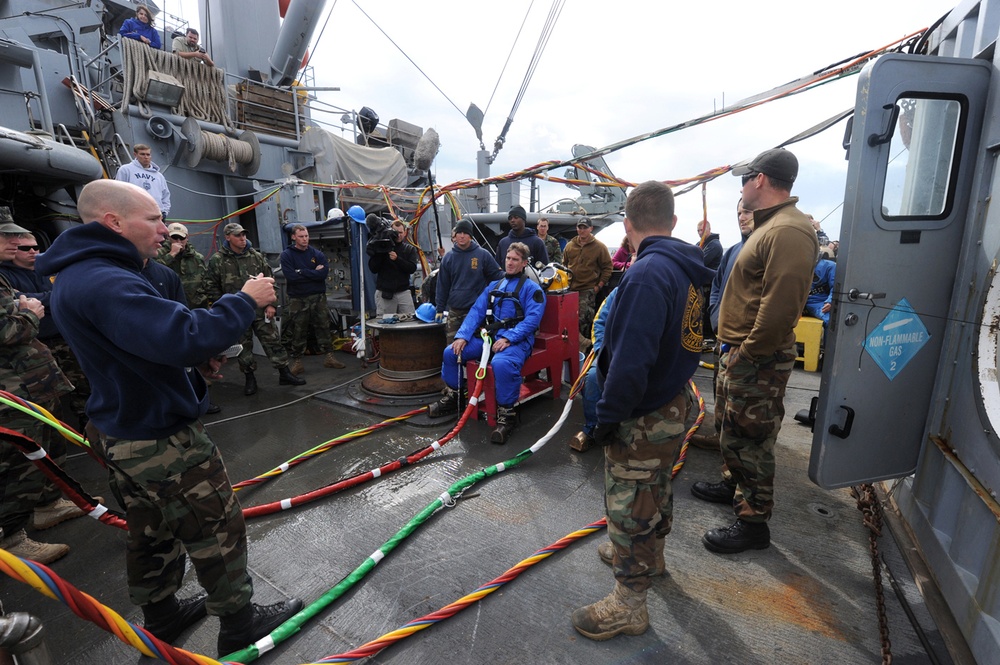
<point>611,71</point>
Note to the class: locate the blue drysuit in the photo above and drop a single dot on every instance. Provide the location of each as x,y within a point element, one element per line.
<point>506,364</point>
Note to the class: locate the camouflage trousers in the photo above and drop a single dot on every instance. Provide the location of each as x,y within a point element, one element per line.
<point>455,318</point>
<point>638,496</point>
<point>588,310</point>
<point>749,401</point>
<point>178,499</point>
<point>22,485</point>
<point>304,315</point>
<point>267,333</point>
<point>72,406</point>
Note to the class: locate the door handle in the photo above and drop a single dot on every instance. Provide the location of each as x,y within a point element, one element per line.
<point>845,431</point>
<point>886,136</point>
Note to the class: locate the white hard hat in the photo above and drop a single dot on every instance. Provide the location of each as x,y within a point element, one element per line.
<point>334,213</point>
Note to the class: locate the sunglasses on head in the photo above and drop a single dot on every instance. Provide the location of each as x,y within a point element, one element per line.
<point>27,248</point>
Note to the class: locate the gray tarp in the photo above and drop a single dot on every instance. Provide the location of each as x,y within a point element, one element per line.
<point>339,160</point>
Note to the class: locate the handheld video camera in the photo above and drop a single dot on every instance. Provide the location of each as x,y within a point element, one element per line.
<point>381,236</point>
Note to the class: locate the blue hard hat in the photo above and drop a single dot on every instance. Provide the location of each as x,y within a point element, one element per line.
<point>426,312</point>
<point>357,213</point>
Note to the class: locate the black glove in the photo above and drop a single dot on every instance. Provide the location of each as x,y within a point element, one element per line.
<point>604,433</point>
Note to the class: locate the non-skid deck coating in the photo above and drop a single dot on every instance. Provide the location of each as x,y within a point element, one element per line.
<point>806,599</point>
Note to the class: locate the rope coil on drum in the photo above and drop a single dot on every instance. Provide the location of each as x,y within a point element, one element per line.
<point>242,154</point>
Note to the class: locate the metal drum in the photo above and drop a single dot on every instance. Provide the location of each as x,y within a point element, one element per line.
<point>409,359</point>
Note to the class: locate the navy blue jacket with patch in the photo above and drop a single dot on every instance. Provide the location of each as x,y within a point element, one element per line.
<point>652,340</point>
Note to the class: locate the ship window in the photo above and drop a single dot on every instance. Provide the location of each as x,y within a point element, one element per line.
<point>922,159</point>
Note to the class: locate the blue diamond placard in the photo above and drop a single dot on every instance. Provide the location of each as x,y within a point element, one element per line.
<point>896,340</point>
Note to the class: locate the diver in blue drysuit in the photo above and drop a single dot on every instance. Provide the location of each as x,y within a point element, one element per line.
<point>511,309</point>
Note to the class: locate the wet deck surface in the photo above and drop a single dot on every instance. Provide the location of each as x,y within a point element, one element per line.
<point>806,599</point>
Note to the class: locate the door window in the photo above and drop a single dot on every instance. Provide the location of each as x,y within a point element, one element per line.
<point>921,160</point>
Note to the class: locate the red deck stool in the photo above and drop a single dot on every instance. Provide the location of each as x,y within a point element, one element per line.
<point>556,343</point>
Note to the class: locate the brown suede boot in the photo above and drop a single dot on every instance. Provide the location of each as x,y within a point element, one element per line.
<point>331,362</point>
<point>623,611</point>
<point>20,545</point>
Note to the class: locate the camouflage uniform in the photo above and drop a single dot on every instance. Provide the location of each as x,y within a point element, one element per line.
<point>749,404</point>
<point>456,316</point>
<point>227,272</point>
<point>75,403</point>
<point>588,310</point>
<point>553,249</point>
<point>178,497</point>
<point>27,370</point>
<point>305,315</point>
<point>638,497</point>
<point>189,265</point>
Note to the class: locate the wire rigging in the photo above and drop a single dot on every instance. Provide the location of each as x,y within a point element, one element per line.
<point>399,48</point>
<point>543,39</point>
<point>511,53</point>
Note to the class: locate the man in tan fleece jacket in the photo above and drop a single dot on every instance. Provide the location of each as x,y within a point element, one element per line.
<point>760,306</point>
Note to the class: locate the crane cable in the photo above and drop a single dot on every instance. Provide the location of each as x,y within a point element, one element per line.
<point>543,39</point>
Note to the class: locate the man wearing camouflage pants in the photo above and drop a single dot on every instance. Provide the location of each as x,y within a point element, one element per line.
<point>305,269</point>
<point>147,408</point>
<point>26,495</point>
<point>652,344</point>
<point>762,301</point>
<point>228,270</point>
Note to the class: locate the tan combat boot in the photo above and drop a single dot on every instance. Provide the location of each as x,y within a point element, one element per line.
<point>20,545</point>
<point>297,367</point>
<point>623,611</point>
<point>57,512</point>
<point>331,362</point>
<point>607,553</point>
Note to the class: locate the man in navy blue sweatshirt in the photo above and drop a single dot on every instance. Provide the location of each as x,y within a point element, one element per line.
<point>135,346</point>
<point>305,269</point>
<point>652,344</point>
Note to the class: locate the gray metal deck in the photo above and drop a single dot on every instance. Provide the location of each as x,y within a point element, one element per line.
<point>806,599</point>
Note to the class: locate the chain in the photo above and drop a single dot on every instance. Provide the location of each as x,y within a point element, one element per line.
<point>871,511</point>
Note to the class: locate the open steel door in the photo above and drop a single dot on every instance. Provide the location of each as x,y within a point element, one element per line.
<point>916,130</point>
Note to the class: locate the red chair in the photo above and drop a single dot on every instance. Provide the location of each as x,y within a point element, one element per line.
<point>556,342</point>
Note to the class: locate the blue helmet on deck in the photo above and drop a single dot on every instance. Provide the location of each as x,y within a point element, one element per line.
<point>357,213</point>
<point>426,312</point>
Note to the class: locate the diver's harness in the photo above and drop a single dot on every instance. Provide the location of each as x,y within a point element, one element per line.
<point>492,323</point>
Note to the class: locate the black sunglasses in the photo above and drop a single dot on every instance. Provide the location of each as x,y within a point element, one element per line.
<point>27,248</point>
<point>177,237</point>
<point>748,177</point>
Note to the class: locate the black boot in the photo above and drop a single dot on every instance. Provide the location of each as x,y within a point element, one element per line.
<point>250,387</point>
<point>253,622</point>
<point>286,378</point>
<point>168,618</point>
<point>506,422</point>
<point>718,492</point>
<point>738,537</point>
<point>445,406</point>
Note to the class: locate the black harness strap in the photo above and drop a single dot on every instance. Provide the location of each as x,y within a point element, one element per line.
<point>492,323</point>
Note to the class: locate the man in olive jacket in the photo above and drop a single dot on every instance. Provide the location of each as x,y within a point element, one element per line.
<point>228,270</point>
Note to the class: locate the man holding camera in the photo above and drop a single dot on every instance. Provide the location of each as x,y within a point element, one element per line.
<point>393,260</point>
<point>187,47</point>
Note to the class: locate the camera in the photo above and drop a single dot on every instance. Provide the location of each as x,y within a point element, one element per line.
<point>381,236</point>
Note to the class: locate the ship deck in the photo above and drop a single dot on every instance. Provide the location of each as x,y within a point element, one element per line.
<point>809,598</point>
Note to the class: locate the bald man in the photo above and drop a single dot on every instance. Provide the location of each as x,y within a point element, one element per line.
<point>136,346</point>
